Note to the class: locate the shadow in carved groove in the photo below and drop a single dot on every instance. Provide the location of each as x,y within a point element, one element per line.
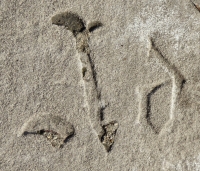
<point>148,116</point>
<point>196,6</point>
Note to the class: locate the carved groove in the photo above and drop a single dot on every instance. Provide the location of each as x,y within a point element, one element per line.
<point>148,116</point>
<point>145,92</point>
<point>177,79</point>
<point>55,129</point>
<point>196,6</point>
<point>81,33</point>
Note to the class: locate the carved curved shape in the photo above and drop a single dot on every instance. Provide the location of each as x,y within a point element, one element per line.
<point>54,128</point>
<point>70,20</point>
<point>145,93</point>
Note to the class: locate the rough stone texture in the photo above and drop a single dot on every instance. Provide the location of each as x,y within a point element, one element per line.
<point>146,58</point>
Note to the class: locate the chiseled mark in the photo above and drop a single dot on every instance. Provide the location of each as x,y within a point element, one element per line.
<point>108,135</point>
<point>81,32</point>
<point>54,128</point>
<point>176,78</point>
<point>144,94</point>
<point>148,116</point>
<point>94,25</point>
<point>70,20</point>
<point>196,6</point>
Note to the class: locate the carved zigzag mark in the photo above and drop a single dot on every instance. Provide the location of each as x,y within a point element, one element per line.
<point>177,79</point>
<point>145,92</point>
<point>156,57</point>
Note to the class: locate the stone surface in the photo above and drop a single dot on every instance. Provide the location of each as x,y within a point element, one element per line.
<point>141,70</point>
